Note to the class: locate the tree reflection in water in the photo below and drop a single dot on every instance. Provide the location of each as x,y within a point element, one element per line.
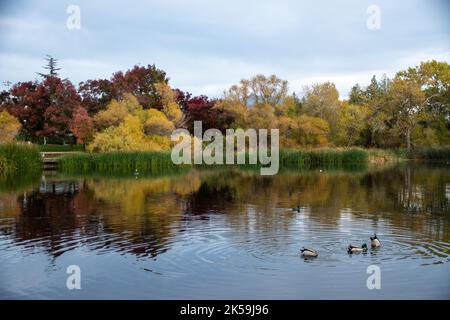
<point>145,216</point>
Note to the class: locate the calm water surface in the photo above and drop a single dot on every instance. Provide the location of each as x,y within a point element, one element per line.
<point>227,234</point>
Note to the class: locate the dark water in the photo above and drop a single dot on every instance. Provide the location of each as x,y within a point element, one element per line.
<point>228,234</point>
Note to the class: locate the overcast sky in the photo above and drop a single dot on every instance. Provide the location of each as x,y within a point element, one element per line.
<point>207,45</point>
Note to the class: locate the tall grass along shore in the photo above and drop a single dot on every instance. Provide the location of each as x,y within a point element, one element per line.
<point>323,158</point>
<point>21,158</point>
<point>152,162</point>
<point>18,158</point>
<point>144,162</point>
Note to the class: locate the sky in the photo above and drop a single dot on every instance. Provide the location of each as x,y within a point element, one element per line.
<point>205,46</point>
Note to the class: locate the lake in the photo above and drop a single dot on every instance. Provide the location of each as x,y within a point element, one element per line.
<point>228,234</point>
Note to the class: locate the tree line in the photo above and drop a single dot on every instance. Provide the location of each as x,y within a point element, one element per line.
<point>137,110</point>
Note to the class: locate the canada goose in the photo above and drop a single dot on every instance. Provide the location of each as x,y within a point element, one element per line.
<point>352,249</point>
<point>374,241</point>
<point>296,209</point>
<point>308,253</point>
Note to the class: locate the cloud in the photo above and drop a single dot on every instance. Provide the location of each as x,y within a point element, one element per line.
<point>205,46</point>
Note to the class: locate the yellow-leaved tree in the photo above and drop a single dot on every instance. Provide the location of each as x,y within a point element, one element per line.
<point>116,112</point>
<point>9,127</point>
<point>352,119</point>
<point>126,136</point>
<point>125,125</point>
<point>157,123</point>
<point>303,131</point>
<point>170,107</point>
<point>312,131</point>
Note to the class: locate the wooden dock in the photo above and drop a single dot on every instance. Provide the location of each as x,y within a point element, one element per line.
<point>50,159</point>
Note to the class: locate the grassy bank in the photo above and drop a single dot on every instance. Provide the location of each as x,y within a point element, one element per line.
<point>118,162</point>
<point>19,158</point>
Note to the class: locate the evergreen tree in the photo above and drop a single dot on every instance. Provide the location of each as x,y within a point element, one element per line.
<point>51,66</point>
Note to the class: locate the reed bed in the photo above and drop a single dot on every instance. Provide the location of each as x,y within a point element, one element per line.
<point>154,162</point>
<point>323,158</point>
<point>119,162</point>
<point>19,158</point>
<point>60,147</point>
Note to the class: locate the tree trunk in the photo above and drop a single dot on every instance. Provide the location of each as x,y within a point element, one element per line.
<point>408,139</point>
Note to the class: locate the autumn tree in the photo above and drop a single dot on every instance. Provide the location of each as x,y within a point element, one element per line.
<point>139,81</point>
<point>259,89</point>
<point>125,125</point>
<point>116,111</point>
<point>200,108</point>
<point>357,95</point>
<point>9,127</point>
<point>407,102</point>
<point>127,136</point>
<point>226,113</point>
<point>262,116</point>
<point>313,131</point>
<point>157,123</point>
<point>351,123</point>
<point>82,125</point>
<point>44,108</point>
<point>374,100</point>
<point>433,77</point>
<point>291,106</point>
<point>169,105</point>
<point>322,100</point>
<point>303,131</point>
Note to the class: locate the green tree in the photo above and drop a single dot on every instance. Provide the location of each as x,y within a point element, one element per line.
<point>51,66</point>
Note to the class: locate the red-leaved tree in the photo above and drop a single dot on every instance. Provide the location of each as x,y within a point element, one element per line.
<point>139,81</point>
<point>44,108</point>
<point>82,125</point>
